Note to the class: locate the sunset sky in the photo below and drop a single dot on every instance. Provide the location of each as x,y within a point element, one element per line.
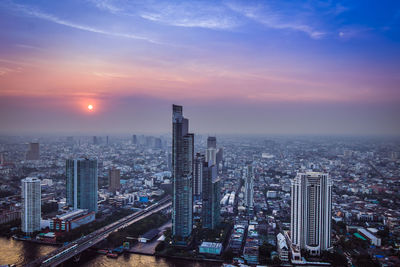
<point>263,67</point>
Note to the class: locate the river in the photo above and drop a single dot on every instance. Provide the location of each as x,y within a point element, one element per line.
<point>20,253</point>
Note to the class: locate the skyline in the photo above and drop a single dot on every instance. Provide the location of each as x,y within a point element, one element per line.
<point>237,67</point>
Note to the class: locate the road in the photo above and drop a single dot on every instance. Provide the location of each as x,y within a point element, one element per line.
<point>78,246</point>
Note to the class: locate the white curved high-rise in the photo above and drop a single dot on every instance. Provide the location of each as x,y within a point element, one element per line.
<point>31,205</point>
<point>311,212</point>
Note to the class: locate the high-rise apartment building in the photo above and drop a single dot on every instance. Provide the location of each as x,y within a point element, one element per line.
<point>33,152</point>
<point>31,205</point>
<point>311,209</point>
<point>114,176</point>
<point>249,187</point>
<point>82,183</point>
<point>199,161</point>
<point>211,197</point>
<point>182,171</point>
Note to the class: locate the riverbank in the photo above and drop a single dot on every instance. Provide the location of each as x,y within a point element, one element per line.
<point>37,241</point>
<point>20,253</point>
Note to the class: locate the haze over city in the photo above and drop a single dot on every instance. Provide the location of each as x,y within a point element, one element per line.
<point>238,67</point>
<point>170,133</point>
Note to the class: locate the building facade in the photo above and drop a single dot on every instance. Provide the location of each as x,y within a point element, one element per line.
<point>71,220</point>
<point>311,209</point>
<point>211,142</point>
<point>249,187</point>
<point>211,197</point>
<point>114,177</point>
<point>199,161</point>
<point>33,152</point>
<point>31,205</point>
<point>182,172</point>
<point>82,183</point>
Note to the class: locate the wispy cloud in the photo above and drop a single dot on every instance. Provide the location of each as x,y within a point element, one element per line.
<point>191,14</point>
<point>271,18</point>
<point>216,16</point>
<point>26,46</point>
<point>182,14</point>
<point>7,70</point>
<point>350,32</point>
<point>106,5</point>
<point>111,75</point>
<point>52,18</point>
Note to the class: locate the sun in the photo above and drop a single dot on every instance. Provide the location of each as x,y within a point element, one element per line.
<point>90,107</point>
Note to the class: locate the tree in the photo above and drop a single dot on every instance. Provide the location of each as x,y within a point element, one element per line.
<point>227,255</point>
<point>160,246</point>
<point>335,258</point>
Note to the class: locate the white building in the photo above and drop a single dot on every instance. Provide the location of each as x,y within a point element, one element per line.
<point>249,187</point>
<point>376,241</point>
<point>271,194</point>
<point>149,182</point>
<point>283,249</point>
<point>311,212</point>
<point>31,205</point>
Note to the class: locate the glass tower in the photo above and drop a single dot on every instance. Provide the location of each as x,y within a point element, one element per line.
<point>82,183</point>
<point>182,171</point>
<point>211,197</point>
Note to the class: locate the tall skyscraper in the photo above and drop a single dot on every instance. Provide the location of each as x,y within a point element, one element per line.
<point>211,155</point>
<point>199,161</point>
<point>182,171</point>
<point>114,176</point>
<point>31,205</point>
<point>33,152</point>
<point>134,139</point>
<point>220,156</point>
<point>249,187</point>
<point>82,183</point>
<point>169,160</point>
<point>311,209</point>
<point>211,142</point>
<point>211,197</point>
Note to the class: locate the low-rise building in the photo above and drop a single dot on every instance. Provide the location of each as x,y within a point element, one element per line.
<point>71,220</point>
<point>210,248</point>
<point>283,249</point>
<point>376,241</point>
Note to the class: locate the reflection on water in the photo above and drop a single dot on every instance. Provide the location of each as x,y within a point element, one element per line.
<point>18,252</point>
<point>135,260</point>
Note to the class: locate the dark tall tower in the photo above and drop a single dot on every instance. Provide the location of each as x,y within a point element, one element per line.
<point>182,171</point>
<point>211,197</point>
<point>199,161</point>
<point>114,176</point>
<point>33,152</point>
<point>134,139</point>
<point>82,183</point>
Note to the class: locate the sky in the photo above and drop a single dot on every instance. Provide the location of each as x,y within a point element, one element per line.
<point>237,67</point>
